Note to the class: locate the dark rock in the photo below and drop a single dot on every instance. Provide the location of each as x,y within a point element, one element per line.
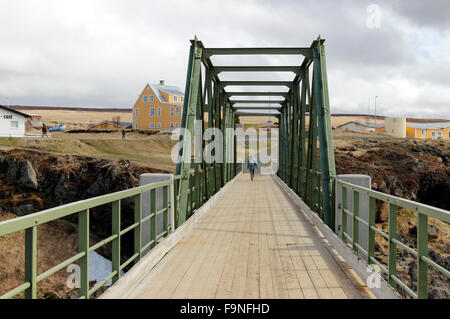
<point>350,154</point>
<point>28,178</point>
<point>11,171</point>
<point>433,232</point>
<point>24,209</point>
<point>2,160</point>
<point>353,149</point>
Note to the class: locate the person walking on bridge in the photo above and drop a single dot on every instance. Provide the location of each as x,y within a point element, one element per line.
<point>252,164</point>
<point>123,134</point>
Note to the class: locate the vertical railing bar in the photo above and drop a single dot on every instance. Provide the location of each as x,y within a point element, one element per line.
<point>371,222</point>
<point>153,223</point>
<point>138,230</point>
<point>83,246</point>
<point>422,251</point>
<point>392,253</point>
<point>344,214</point>
<point>31,261</point>
<point>355,232</point>
<point>166,213</point>
<point>116,242</point>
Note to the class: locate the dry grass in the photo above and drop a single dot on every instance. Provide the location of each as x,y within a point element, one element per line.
<point>152,151</point>
<point>75,119</point>
<point>57,242</point>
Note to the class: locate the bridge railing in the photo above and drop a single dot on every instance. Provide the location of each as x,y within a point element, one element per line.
<point>199,192</point>
<point>421,253</point>
<point>30,224</point>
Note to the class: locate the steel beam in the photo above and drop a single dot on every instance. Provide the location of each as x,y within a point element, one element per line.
<point>230,94</point>
<point>256,102</point>
<point>293,69</point>
<point>276,108</point>
<point>207,53</point>
<point>288,84</point>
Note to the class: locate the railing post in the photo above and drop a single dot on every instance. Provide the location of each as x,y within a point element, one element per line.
<point>153,218</point>
<point>371,239</point>
<point>83,246</point>
<point>31,261</point>
<point>392,264</point>
<point>116,242</point>
<point>355,231</point>
<point>166,206</point>
<point>422,251</point>
<point>344,214</point>
<point>138,229</point>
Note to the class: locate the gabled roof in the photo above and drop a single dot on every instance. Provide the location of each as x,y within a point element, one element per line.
<point>429,126</point>
<point>371,125</point>
<point>122,124</point>
<point>174,90</point>
<point>14,111</point>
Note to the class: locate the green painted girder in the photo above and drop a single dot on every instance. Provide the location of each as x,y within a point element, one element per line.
<point>269,68</point>
<point>257,114</point>
<point>230,94</point>
<point>237,108</point>
<point>288,84</point>
<point>208,52</point>
<point>256,102</point>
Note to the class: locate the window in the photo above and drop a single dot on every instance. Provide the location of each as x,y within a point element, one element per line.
<point>14,124</point>
<point>159,112</point>
<point>176,124</point>
<point>175,98</point>
<point>181,99</point>
<point>150,98</point>
<point>171,111</point>
<point>433,135</point>
<point>152,125</point>
<point>159,125</point>
<point>176,111</point>
<point>171,124</point>
<point>135,125</point>
<point>136,113</point>
<point>440,135</point>
<point>144,98</point>
<point>152,112</point>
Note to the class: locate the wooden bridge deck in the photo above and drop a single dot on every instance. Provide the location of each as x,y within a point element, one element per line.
<point>253,243</point>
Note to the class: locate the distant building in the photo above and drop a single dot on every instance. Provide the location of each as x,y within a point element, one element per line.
<point>435,131</point>
<point>362,127</point>
<point>12,122</point>
<point>159,106</point>
<point>35,117</point>
<point>109,125</point>
<point>395,126</point>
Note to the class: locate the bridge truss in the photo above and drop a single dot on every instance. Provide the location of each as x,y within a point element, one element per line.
<point>303,114</point>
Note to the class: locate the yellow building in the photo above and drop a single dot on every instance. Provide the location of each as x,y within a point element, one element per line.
<point>435,131</point>
<point>159,106</point>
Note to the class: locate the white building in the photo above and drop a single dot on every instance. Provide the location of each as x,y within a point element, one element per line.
<point>12,122</point>
<point>395,126</point>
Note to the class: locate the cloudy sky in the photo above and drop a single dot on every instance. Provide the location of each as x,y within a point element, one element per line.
<point>103,52</point>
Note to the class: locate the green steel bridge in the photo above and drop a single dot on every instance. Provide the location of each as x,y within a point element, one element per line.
<point>223,236</point>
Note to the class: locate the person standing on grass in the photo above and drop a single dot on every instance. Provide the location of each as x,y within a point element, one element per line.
<point>123,134</point>
<point>44,130</point>
<point>252,165</point>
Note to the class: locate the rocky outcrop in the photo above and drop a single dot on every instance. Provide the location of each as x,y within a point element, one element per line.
<point>32,181</point>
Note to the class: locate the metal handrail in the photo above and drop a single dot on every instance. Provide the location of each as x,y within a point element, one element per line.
<point>421,253</point>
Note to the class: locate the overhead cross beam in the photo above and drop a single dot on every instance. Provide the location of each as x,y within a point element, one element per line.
<point>230,94</point>
<point>224,84</point>
<point>268,68</point>
<point>257,102</point>
<point>307,52</point>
